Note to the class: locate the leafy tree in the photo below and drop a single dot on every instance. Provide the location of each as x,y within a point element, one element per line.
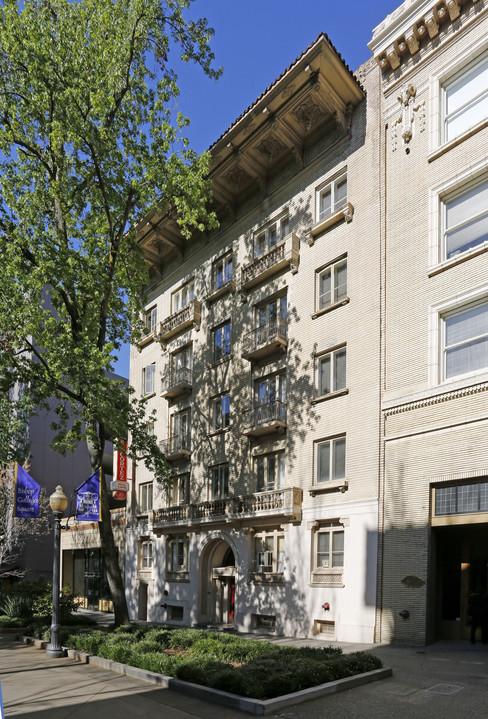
<point>89,143</point>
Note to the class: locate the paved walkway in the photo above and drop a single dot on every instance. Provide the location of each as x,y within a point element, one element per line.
<point>444,679</point>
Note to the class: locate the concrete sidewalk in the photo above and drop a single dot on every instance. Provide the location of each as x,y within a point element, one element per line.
<point>443,679</point>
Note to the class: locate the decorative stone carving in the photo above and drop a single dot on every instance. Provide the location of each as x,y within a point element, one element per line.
<point>270,147</point>
<point>453,9</point>
<point>237,176</point>
<point>406,119</point>
<point>431,23</point>
<point>307,113</point>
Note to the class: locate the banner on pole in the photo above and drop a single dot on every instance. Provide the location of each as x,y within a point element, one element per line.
<point>88,498</point>
<point>2,715</point>
<point>26,494</point>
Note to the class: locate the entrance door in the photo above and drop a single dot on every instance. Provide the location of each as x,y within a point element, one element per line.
<point>462,569</point>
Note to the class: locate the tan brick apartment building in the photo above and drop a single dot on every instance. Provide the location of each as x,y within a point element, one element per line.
<point>318,363</point>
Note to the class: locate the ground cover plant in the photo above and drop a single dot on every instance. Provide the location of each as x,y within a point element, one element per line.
<point>248,667</point>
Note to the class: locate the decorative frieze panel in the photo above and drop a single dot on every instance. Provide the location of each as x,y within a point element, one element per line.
<point>411,111</point>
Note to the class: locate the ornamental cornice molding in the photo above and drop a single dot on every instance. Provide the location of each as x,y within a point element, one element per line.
<point>416,22</point>
<point>437,399</point>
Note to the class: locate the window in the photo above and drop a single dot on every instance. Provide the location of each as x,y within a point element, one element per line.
<point>221,342</point>
<point>269,551</point>
<point>180,424</point>
<point>271,312</point>
<point>269,236</point>
<point>465,220</point>
<point>222,271</point>
<point>219,481</point>
<point>331,197</point>
<point>331,284</point>
<point>461,499</point>
<point>151,319</point>
<point>148,379</point>
<point>269,390</point>
<point>331,460</point>
<point>145,497</point>
<point>182,297</point>
<point>177,554</point>
<point>146,554</point>
<point>327,554</point>
<point>181,367</point>
<point>179,492</point>
<point>331,372</point>
<point>220,412</point>
<point>270,472</point>
<point>465,346</point>
<point>466,99</point>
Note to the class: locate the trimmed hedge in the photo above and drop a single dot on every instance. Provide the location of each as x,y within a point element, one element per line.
<point>247,667</point>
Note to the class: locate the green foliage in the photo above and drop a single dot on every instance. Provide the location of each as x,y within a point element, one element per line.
<point>10,622</point>
<point>230,663</point>
<point>37,597</point>
<point>15,607</point>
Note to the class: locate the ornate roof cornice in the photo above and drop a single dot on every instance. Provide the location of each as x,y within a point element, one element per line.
<point>436,399</point>
<point>411,25</point>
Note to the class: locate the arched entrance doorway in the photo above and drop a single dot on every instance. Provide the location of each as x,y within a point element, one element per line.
<point>217,583</point>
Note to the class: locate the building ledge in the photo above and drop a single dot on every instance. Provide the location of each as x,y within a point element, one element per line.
<point>343,213</point>
<point>338,485</point>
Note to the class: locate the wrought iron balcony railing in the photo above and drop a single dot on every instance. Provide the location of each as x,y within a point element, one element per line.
<point>266,339</point>
<point>176,447</point>
<point>265,418</point>
<point>177,382</point>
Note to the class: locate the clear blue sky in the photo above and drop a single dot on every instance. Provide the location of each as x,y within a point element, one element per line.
<point>254,41</point>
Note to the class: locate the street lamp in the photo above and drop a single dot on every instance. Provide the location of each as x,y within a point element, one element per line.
<point>58,502</point>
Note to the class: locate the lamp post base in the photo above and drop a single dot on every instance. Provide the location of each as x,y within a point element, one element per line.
<point>55,652</point>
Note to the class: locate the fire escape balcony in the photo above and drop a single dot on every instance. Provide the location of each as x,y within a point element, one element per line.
<point>266,418</point>
<point>283,504</point>
<point>286,254</point>
<point>266,340</point>
<point>178,382</point>
<point>176,447</point>
<point>189,316</point>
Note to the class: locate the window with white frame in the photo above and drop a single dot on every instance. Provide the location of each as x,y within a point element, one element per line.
<point>465,340</point>
<point>151,319</point>
<point>331,197</point>
<point>145,497</point>
<point>331,372</point>
<point>179,491</point>
<point>331,460</point>
<point>220,412</point>
<point>271,311</point>
<point>149,379</point>
<point>269,551</point>
<point>465,220</point>
<point>222,271</point>
<point>465,98</point>
<point>219,481</point>
<point>177,555</point>
<point>183,296</point>
<point>221,342</point>
<point>181,424</point>
<point>328,553</point>
<point>270,472</point>
<point>145,554</point>
<point>331,284</point>
<point>270,235</point>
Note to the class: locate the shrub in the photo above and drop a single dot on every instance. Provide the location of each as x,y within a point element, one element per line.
<point>88,643</point>
<point>15,606</point>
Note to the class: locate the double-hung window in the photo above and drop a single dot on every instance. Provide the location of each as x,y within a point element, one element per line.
<point>465,220</point>
<point>331,284</point>
<point>269,552</point>
<point>329,546</point>
<point>331,460</point>
<point>221,342</point>
<point>146,554</point>
<point>220,412</point>
<point>270,472</point>
<point>148,379</point>
<point>145,497</point>
<point>465,340</point>
<point>219,481</point>
<point>183,296</point>
<point>331,197</point>
<point>270,235</point>
<point>466,99</point>
<point>222,271</point>
<point>177,555</point>
<point>331,372</point>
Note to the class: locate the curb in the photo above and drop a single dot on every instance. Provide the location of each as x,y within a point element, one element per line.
<point>258,707</point>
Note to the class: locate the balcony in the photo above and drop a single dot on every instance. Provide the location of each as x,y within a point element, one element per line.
<point>284,504</point>
<point>189,316</point>
<point>178,382</point>
<point>220,290</point>
<point>286,254</point>
<point>265,340</point>
<point>177,447</point>
<point>266,418</point>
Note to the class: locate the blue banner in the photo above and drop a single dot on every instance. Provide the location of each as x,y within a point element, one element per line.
<point>88,498</point>
<point>26,494</point>
<point>2,715</point>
